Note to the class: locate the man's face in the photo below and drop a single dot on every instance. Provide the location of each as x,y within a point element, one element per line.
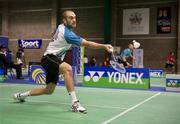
<point>131,47</point>
<point>70,19</point>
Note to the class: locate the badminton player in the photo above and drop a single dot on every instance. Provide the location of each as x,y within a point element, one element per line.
<point>125,54</point>
<point>53,63</point>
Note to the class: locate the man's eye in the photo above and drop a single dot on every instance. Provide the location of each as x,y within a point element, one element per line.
<point>71,17</point>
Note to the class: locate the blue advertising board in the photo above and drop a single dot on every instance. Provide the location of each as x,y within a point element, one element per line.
<point>156,73</point>
<point>1,74</point>
<point>4,41</point>
<point>30,43</point>
<point>38,75</point>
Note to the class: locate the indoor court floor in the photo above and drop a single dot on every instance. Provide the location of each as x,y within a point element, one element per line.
<point>105,106</point>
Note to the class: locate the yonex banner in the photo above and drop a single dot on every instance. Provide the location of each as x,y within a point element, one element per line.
<point>156,73</point>
<point>30,43</point>
<point>135,78</point>
<point>172,82</point>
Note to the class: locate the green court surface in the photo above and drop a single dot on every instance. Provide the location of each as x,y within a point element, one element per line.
<point>105,106</point>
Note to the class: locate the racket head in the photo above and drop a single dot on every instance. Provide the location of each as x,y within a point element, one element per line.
<point>117,66</point>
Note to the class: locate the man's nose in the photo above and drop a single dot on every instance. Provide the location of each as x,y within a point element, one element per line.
<point>74,19</point>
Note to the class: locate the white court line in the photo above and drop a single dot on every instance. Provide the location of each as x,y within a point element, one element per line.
<point>132,108</point>
<point>8,85</point>
<point>126,91</point>
<point>96,106</point>
<point>106,90</point>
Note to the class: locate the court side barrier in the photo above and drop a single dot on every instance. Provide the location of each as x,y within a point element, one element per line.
<point>37,75</point>
<point>157,78</point>
<point>2,78</point>
<point>157,73</point>
<point>172,82</point>
<point>134,78</point>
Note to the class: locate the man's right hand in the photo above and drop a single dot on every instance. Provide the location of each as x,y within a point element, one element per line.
<point>108,47</point>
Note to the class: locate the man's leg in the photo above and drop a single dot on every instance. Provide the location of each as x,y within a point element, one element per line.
<point>66,69</point>
<point>49,89</point>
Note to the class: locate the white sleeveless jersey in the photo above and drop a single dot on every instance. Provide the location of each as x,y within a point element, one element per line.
<point>62,41</point>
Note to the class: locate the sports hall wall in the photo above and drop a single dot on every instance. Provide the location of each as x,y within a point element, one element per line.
<point>90,24</point>
<point>27,19</point>
<point>22,19</point>
<point>156,46</point>
<point>38,19</point>
<point>0,19</point>
<point>0,23</point>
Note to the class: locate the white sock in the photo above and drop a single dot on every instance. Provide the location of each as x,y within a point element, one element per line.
<point>25,94</point>
<point>73,97</point>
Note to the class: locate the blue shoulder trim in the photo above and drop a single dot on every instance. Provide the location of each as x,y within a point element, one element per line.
<point>71,37</point>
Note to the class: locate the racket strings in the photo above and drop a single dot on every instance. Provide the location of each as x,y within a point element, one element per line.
<point>117,66</point>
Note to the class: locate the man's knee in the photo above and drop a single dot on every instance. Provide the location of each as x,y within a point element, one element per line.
<point>66,68</point>
<point>49,92</point>
<point>50,88</point>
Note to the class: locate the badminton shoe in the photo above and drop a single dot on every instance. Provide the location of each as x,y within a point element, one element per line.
<point>76,107</point>
<point>18,97</point>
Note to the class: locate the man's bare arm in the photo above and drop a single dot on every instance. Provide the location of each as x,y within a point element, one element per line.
<point>94,45</point>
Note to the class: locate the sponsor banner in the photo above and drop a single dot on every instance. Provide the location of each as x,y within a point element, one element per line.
<point>30,43</point>
<point>1,71</point>
<point>136,21</point>
<point>4,41</point>
<point>37,74</point>
<point>1,74</point>
<point>172,82</point>
<point>164,20</point>
<point>135,78</point>
<point>156,73</point>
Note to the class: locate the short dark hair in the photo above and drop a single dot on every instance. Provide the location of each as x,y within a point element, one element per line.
<point>64,13</point>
